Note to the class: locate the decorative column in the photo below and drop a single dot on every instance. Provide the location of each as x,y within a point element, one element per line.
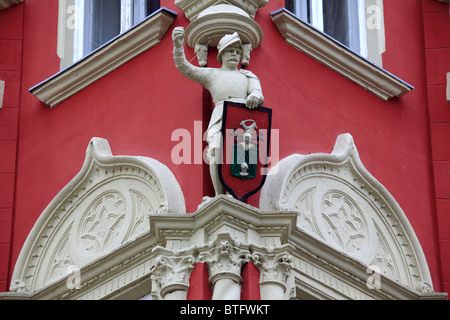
<point>225,258</point>
<point>275,265</point>
<point>171,273</point>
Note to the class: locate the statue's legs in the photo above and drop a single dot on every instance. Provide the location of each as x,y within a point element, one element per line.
<point>214,170</point>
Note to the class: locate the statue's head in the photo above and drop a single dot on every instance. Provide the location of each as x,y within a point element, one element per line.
<point>232,44</point>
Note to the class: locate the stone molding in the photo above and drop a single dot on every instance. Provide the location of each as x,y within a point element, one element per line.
<point>105,59</point>
<point>287,256</point>
<point>4,4</point>
<point>332,54</point>
<point>192,8</point>
<point>218,21</point>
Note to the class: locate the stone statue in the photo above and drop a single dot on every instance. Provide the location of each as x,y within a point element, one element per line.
<point>227,83</point>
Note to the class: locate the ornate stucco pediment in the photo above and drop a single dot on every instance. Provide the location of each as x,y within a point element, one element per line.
<point>323,223</point>
<point>339,202</point>
<point>105,206</point>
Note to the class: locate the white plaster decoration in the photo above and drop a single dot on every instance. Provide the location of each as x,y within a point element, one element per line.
<point>341,203</point>
<point>448,87</point>
<point>275,264</point>
<point>2,92</point>
<point>8,3</point>
<point>222,230</point>
<point>105,59</point>
<point>225,258</point>
<point>213,19</point>
<point>192,8</point>
<point>105,206</point>
<point>337,57</point>
<point>215,22</point>
<point>171,272</point>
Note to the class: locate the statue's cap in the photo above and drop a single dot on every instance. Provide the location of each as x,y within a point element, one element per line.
<point>227,41</point>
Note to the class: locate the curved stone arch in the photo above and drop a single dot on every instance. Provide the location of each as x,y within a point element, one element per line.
<point>389,235</point>
<point>106,203</point>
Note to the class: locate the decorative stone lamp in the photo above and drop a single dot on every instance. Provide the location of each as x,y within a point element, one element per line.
<point>212,19</point>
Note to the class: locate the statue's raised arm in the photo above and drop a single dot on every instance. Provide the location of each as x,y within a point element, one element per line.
<point>187,69</point>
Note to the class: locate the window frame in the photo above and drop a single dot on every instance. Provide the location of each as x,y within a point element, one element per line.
<point>104,60</point>
<point>337,57</point>
<point>368,42</point>
<point>74,25</point>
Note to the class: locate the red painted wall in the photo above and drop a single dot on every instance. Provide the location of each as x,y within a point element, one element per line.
<point>10,72</point>
<point>138,106</point>
<point>436,23</point>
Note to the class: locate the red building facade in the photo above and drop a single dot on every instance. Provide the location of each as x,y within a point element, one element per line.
<point>401,134</point>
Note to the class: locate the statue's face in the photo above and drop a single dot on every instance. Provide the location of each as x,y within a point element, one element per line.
<point>231,56</point>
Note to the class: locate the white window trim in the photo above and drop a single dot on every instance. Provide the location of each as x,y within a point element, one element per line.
<point>105,59</point>
<point>2,92</point>
<point>329,52</point>
<point>369,42</point>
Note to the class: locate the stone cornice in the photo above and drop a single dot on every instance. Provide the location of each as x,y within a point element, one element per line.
<point>337,57</point>
<point>303,261</point>
<point>192,8</point>
<point>105,59</point>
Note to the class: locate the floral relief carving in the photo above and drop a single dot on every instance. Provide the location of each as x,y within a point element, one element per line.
<point>385,260</point>
<point>62,259</point>
<point>141,209</point>
<point>102,224</point>
<point>344,222</point>
<point>305,209</point>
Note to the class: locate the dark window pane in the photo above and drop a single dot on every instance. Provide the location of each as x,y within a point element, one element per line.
<point>336,20</point>
<point>152,6</point>
<point>104,23</point>
<point>289,4</point>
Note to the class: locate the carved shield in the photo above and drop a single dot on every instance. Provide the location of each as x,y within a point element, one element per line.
<point>245,149</point>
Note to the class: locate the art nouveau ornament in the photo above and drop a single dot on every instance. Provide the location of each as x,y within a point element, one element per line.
<point>341,203</point>
<point>104,207</point>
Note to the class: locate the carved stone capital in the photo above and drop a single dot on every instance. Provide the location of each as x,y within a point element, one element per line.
<point>225,258</point>
<point>172,270</point>
<point>274,264</point>
<point>18,286</point>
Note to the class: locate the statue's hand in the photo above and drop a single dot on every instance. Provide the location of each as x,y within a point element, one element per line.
<point>178,37</point>
<point>254,100</point>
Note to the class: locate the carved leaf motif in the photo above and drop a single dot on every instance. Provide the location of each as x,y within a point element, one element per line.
<point>344,222</point>
<point>141,210</point>
<point>304,207</point>
<point>102,224</point>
